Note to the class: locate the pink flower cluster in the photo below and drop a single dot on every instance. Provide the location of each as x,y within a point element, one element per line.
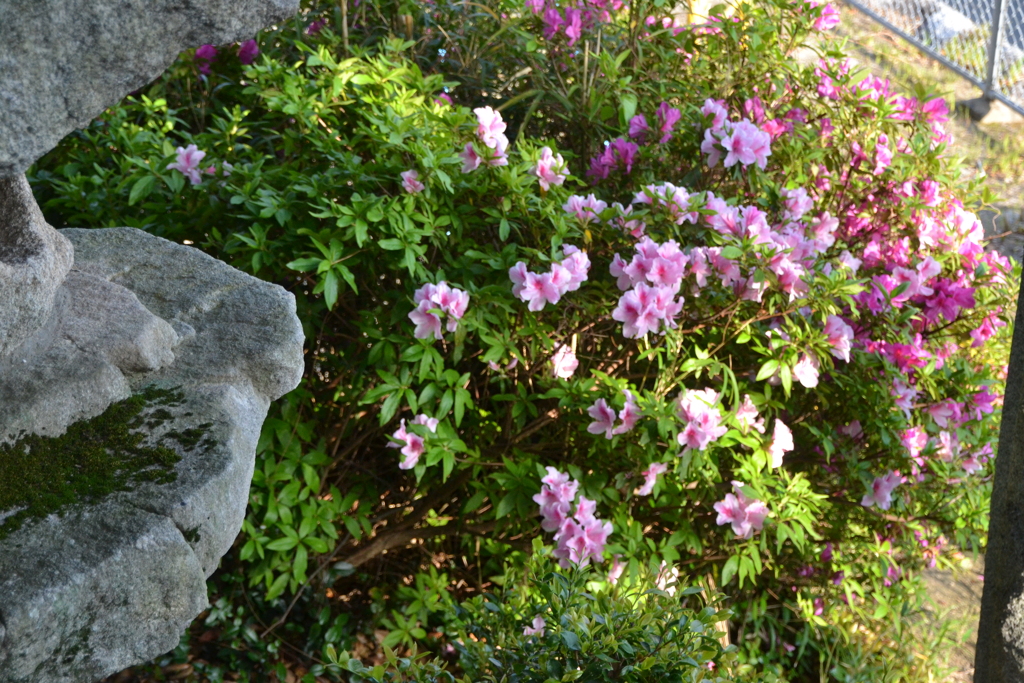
<point>491,131</point>
<point>604,417</point>
<point>550,169</point>
<point>412,444</point>
<point>741,141</point>
<point>440,297</point>
<point>549,288</point>
<point>839,336</point>
<point>781,443</point>
<point>699,410</point>
<point>585,209</point>
<point>746,515</point>
<point>619,153</point>
<point>655,275</point>
<point>580,537</point>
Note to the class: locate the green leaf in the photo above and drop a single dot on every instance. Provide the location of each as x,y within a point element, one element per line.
<point>141,189</point>
<point>731,252</point>
<point>729,570</point>
<point>767,370</point>
<point>391,244</point>
<point>283,544</point>
<point>571,641</point>
<point>330,289</point>
<point>305,264</point>
<point>276,588</point>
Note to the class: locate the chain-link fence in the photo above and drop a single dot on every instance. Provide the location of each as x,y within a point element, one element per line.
<point>982,40</point>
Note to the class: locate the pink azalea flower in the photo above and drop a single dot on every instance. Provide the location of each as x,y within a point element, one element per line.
<point>880,493</point>
<point>187,163</point>
<point>536,628</point>
<point>747,144</point>
<point>470,159</point>
<point>247,52</point>
<point>411,183</point>
<point>703,419</point>
<point>781,443</point>
<point>718,112</point>
<point>549,169</point>
<point>563,362</point>
<point>426,323</point>
<point>828,20</point>
<point>604,418</point>
<point>883,155</point>
<point>839,336</point>
<point>747,416</point>
<point>746,515</point>
<point>904,395</point>
<point>489,126</point>
<point>412,444</point>
<point>650,476</point>
<point>629,414</point>
<point>806,370</point>
<point>498,156</point>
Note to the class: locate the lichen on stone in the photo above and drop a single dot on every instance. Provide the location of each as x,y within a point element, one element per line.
<point>41,475</point>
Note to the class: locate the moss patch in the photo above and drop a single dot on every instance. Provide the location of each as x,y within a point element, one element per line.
<point>94,458</point>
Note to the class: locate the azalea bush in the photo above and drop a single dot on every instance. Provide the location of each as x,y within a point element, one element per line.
<point>648,292</point>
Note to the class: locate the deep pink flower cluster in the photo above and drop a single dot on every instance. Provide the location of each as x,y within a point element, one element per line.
<point>699,410</point>
<point>548,288</point>
<point>746,515</point>
<point>412,444</point>
<point>431,302</point>
<point>581,537</point>
<point>619,153</point>
<point>583,16</point>
<point>205,56</point>
<point>248,51</point>
<point>604,417</point>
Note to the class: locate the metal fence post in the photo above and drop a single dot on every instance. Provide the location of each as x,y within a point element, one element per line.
<point>995,46</point>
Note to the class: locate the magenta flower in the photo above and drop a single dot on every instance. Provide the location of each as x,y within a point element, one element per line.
<point>668,117</point>
<point>781,443</point>
<point>205,55</point>
<point>315,27</point>
<point>828,20</point>
<point>650,476</point>
<point>563,362</point>
<point>573,25</point>
<point>470,159</point>
<point>411,183</point>
<point>550,169</point>
<point>187,163</point>
<point>638,127</point>
<point>839,336</point>
<point>443,100</point>
<point>535,6</point>
<point>247,51</point>
<point>552,22</point>
<point>537,627</point>
<point>746,515</point>
<point>880,492</point>
<point>604,418</point>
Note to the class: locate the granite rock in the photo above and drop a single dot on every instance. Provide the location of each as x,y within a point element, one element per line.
<point>34,260</point>
<point>113,583</point>
<point>62,62</point>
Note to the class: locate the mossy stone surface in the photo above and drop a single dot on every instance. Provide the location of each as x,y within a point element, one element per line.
<point>41,475</point>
